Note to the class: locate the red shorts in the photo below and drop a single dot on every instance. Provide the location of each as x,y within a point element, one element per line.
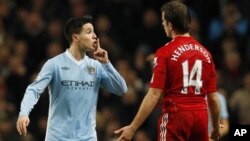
<point>183,126</point>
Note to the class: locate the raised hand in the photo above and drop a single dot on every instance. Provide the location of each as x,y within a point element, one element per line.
<point>101,54</point>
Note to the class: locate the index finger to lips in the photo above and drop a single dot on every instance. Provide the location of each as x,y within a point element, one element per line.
<point>95,45</point>
<point>98,43</point>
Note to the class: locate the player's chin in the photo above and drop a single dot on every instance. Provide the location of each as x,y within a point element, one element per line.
<point>92,48</point>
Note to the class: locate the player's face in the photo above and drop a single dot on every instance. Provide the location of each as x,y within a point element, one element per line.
<point>165,25</point>
<point>87,38</point>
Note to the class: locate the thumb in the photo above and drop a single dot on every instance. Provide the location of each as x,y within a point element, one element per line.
<point>27,122</point>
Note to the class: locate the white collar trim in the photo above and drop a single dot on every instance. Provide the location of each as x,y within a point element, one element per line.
<point>71,57</point>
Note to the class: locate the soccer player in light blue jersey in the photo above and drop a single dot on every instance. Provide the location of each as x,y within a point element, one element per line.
<point>73,80</point>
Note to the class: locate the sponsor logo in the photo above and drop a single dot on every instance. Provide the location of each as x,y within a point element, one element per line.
<point>65,68</point>
<point>83,85</point>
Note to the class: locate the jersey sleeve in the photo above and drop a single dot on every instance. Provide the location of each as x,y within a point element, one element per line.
<point>211,85</point>
<point>158,79</point>
<point>34,90</point>
<point>223,105</point>
<point>111,80</point>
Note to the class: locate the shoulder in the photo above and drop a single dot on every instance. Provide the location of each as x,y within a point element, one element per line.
<point>203,47</point>
<point>172,44</point>
<point>57,58</point>
<point>55,61</point>
<point>163,50</point>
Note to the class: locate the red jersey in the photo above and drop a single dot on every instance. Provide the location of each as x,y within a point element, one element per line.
<point>185,71</point>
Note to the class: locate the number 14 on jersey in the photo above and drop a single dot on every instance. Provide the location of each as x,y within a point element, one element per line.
<point>192,78</point>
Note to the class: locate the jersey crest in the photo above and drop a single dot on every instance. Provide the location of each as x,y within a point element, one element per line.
<point>91,70</point>
<point>155,62</point>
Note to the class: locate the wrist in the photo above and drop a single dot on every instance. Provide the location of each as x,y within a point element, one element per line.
<point>216,128</point>
<point>105,62</point>
<point>133,127</point>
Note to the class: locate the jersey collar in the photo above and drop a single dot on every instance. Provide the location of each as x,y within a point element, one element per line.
<point>78,62</point>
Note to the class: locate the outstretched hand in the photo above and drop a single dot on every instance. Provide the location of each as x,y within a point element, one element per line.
<point>100,54</point>
<point>216,133</point>
<point>126,133</point>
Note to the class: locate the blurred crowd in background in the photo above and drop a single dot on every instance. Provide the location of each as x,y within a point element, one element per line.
<point>31,31</point>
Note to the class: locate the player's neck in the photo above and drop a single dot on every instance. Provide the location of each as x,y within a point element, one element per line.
<point>181,35</point>
<point>78,55</point>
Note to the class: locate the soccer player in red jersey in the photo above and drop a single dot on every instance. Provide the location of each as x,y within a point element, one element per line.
<point>183,74</point>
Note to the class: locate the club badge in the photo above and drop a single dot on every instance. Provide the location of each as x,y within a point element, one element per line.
<point>155,62</point>
<point>91,70</point>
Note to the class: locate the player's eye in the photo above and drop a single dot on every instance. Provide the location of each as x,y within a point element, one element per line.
<point>89,31</point>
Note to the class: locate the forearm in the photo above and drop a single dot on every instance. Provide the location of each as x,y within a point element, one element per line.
<point>148,104</point>
<point>114,81</point>
<point>32,95</point>
<point>28,102</point>
<point>35,89</point>
<point>214,108</point>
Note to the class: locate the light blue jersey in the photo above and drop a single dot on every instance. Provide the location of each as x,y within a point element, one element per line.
<point>73,88</point>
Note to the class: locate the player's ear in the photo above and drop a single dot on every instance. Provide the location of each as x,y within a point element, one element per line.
<point>170,26</point>
<point>75,37</point>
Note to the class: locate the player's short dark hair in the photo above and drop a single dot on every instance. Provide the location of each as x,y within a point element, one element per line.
<point>74,26</point>
<point>178,15</point>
